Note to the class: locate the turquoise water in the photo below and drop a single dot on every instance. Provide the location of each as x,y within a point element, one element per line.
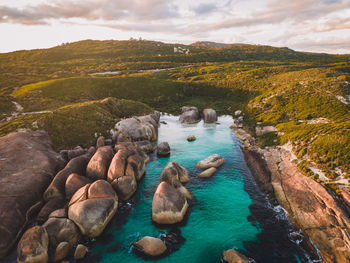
<point>228,210</point>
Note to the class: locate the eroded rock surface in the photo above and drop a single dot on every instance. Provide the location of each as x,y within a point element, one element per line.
<point>189,115</point>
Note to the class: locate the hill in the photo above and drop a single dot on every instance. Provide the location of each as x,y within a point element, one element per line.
<point>304,95</point>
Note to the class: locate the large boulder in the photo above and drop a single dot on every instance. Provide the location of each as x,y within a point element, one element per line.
<point>92,207</point>
<point>213,160</point>
<point>210,116</point>
<point>163,149</point>
<point>98,166</point>
<point>139,128</point>
<point>189,115</point>
<point>150,246</point>
<point>33,246</point>
<point>57,187</point>
<point>233,256</point>
<point>28,164</point>
<point>74,183</point>
<point>61,229</point>
<point>49,207</point>
<point>169,206</point>
<point>173,173</point>
<point>80,251</point>
<point>207,173</point>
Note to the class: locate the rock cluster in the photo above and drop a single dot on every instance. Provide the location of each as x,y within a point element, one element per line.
<point>83,196</point>
<point>189,115</point>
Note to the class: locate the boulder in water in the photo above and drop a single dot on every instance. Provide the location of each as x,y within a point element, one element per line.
<point>207,173</point>
<point>80,251</point>
<point>173,173</point>
<point>92,207</point>
<point>61,251</point>
<point>150,246</point>
<point>33,246</point>
<point>210,116</point>
<point>163,149</point>
<point>191,138</point>
<point>213,160</point>
<point>233,256</point>
<point>169,206</point>
<point>189,115</point>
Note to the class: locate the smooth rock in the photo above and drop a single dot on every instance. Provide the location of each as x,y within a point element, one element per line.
<point>207,173</point>
<point>98,166</point>
<point>169,206</point>
<point>163,149</point>
<point>80,251</point>
<point>210,116</point>
<point>61,230</point>
<point>49,207</point>
<point>191,138</point>
<point>92,207</point>
<point>213,160</point>
<point>74,183</point>
<point>28,164</point>
<point>61,251</point>
<point>33,246</point>
<point>77,151</point>
<point>189,115</point>
<point>173,173</point>
<point>233,256</point>
<point>150,246</point>
<point>57,186</point>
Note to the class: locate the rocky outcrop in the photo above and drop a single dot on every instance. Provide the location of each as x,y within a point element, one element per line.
<point>310,206</point>
<point>139,128</point>
<point>213,160</point>
<point>74,183</point>
<point>207,173</point>
<point>33,246</point>
<point>76,165</point>
<point>28,164</point>
<point>210,116</point>
<point>92,207</point>
<point>98,166</point>
<point>169,206</point>
<point>150,246</point>
<point>163,149</point>
<point>233,256</point>
<point>189,115</point>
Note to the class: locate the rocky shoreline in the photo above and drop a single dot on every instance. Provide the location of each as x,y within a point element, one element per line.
<point>320,215</point>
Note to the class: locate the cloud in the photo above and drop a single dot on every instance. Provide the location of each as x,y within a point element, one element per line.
<point>204,8</point>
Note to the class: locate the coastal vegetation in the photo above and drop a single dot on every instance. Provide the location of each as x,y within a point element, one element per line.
<point>304,95</point>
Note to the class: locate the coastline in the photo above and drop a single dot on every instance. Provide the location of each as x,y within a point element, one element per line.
<point>322,218</point>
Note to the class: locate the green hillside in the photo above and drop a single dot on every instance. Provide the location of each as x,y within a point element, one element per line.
<point>304,95</point>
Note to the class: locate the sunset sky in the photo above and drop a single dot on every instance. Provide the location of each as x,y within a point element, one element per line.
<point>306,25</point>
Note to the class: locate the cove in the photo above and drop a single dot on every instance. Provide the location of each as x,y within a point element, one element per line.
<point>228,211</point>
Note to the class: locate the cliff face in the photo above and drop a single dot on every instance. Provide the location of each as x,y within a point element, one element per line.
<point>310,207</point>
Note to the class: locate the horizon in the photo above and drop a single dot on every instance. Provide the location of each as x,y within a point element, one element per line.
<point>318,26</point>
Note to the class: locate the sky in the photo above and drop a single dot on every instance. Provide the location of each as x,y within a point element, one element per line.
<point>304,25</point>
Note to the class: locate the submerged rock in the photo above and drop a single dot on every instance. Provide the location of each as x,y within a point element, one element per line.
<point>33,246</point>
<point>210,116</point>
<point>189,115</point>
<point>191,138</point>
<point>92,207</point>
<point>233,256</point>
<point>207,173</point>
<point>150,246</point>
<point>169,206</point>
<point>27,165</point>
<point>163,149</point>
<point>99,163</point>
<point>213,160</point>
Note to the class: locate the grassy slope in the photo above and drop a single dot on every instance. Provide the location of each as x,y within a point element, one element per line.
<point>277,86</point>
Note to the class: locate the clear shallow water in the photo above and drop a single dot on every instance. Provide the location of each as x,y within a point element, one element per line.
<point>229,211</point>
